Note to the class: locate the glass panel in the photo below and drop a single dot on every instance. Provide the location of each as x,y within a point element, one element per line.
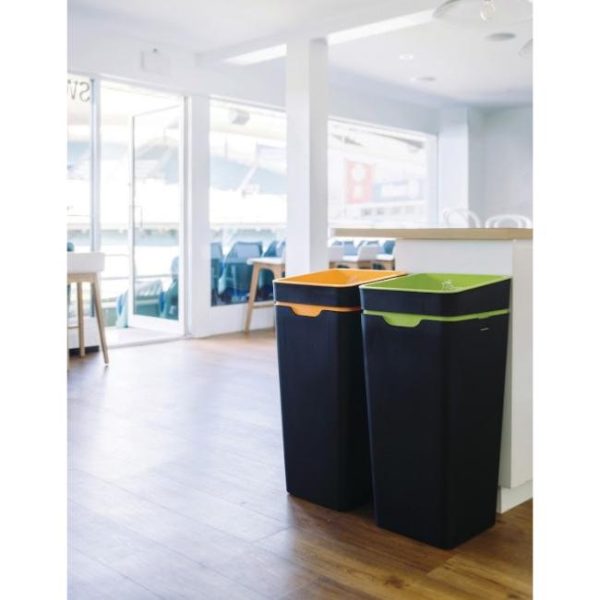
<point>119,103</point>
<point>156,213</point>
<point>247,196</point>
<point>79,172</point>
<point>377,177</point>
<point>79,153</point>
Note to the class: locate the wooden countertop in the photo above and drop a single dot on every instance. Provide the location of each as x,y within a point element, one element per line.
<point>439,233</point>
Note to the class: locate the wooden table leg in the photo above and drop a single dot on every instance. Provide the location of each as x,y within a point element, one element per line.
<point>80,319</point>
<point>99,316</point>
<point>252,295</point>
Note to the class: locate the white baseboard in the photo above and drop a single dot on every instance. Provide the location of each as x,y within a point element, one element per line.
<point>230,319</point>
<point>90,328</point>
<point>510,497</point>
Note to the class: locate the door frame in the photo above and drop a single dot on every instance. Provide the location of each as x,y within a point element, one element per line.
<point>179,326</point>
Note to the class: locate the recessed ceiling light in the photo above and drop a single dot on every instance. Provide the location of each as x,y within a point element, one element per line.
<point>424,79</point>
<point>406,56</point>
<point>502,36</point>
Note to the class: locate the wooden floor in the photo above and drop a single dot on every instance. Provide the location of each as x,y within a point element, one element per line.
<point>176,490</point>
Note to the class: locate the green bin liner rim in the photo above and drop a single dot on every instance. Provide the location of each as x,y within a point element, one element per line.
<point>466,282</point>
<point>413,320</point>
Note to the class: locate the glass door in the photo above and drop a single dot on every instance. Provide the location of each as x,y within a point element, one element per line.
<point>156,208</point>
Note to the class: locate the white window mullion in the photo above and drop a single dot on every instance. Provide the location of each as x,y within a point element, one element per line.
<point>95,168</point>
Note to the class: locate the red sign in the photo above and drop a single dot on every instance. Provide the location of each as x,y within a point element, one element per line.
<point>359,182</point>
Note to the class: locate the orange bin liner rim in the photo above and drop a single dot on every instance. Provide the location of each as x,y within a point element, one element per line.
<point>314,310</point>
<point>340,277</point>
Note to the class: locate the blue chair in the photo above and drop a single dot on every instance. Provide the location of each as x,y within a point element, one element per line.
<point>216,270</point>
<point>265,279</point>
<point>271,250</point>
<point>149,298</point>
<point>389,246</point>
<point>169,300</point>
<point>234,283</point>
<point>121,310</point>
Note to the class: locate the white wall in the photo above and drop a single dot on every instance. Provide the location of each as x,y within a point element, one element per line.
<point>453,159</point>
<point>508,162</point>
<point>476,177</point>
<point>485,160</point>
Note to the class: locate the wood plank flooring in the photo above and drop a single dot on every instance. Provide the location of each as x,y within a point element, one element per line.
<point>176,490</point>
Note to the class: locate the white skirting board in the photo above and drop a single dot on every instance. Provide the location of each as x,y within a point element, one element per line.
<point>510,497</point>
<point>230,319</point>
<point>90,328</point>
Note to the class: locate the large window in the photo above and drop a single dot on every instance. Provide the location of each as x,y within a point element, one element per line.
<point>150,121</point>
<point>378,177</point>
<point>125,199</point>
<point>247,196</point>
<point>79,162</point>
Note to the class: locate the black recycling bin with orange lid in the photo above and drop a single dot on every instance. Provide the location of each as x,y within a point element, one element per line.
<point>322,383</point>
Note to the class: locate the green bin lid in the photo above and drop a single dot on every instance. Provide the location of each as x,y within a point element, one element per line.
<point>436,283</point>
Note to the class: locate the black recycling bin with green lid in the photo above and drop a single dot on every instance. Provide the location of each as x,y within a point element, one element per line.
<point>435,349</point>
<point>321,376</point>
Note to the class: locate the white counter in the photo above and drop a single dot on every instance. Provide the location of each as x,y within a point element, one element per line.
<point>491,252</point>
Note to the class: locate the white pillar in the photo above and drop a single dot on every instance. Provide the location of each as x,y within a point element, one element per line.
<point>197,216</point>
<point>307,116</point>
<point>460,159</point>
<point>453,162</point>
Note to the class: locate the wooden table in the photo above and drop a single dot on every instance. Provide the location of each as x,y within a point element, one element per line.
<point>277,266</point>
<point>92,279</point>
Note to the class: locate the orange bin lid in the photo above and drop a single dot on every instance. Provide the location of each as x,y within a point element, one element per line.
<point>340,277</point>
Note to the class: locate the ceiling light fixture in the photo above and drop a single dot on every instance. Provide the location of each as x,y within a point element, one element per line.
<point>488,10</point>
<point>486,13</point>
<point>424,79</point>
<point>502,36</point>
<point>406,56</point>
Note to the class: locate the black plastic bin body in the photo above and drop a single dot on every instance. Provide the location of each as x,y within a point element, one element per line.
<point>435,392</point>
<point>323,398</point>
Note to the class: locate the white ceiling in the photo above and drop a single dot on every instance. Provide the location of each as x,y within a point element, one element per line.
<point>212,24</point>
<point>467,67</point>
